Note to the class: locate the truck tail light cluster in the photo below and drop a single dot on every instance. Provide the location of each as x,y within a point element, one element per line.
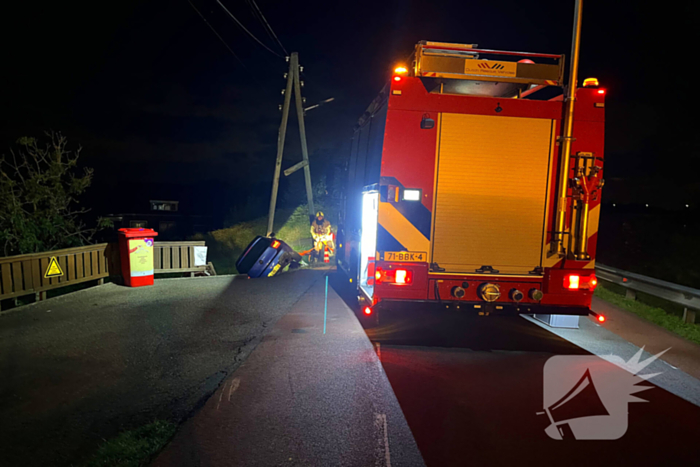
<point>576,281</point>
<point>394,276</point>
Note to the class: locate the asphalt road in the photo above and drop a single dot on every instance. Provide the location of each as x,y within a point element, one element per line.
<point>82,367</point>
<point>85,366</point>
<point>470,389</point>
<point>309,395</point>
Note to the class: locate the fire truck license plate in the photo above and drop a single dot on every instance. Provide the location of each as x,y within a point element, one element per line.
<point>406,256</point>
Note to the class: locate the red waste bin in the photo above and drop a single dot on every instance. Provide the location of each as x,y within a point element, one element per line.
<point>136,252</point>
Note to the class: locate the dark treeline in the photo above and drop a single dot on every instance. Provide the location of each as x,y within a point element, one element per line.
<point>651,241</point>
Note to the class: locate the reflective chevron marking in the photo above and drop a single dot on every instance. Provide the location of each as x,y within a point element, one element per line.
<point>401,229</point>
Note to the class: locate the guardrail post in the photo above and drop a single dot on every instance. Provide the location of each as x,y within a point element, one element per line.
<point>688,316</point>
<point>630,294</point>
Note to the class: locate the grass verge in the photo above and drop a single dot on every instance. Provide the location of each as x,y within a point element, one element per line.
<point>225,245</point>
<point>134,448</point>
<point>654,314</point>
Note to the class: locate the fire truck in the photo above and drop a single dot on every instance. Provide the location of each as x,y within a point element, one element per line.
<point>473,184</point>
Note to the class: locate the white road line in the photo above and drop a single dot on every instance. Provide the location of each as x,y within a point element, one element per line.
<point>234,385</point>
<point>382,441</point>
<point>221,395</point>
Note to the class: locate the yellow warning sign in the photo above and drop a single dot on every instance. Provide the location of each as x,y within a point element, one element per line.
<point>54,270</point>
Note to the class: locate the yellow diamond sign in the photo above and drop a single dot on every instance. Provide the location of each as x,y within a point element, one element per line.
<point>54,270</point>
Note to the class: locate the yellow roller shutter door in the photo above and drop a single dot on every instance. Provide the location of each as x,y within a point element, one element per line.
<point>492,179</point>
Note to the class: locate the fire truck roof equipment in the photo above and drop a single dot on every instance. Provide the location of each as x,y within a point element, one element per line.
<point>464,61</point>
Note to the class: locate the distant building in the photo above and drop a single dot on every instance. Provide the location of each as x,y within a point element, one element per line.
<point>164,217</point>
<point>158,205</point>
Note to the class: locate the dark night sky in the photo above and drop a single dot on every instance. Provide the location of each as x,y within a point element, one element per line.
<point>153,96</point>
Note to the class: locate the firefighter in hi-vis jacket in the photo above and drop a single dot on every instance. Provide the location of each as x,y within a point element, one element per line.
<point>321,233</point>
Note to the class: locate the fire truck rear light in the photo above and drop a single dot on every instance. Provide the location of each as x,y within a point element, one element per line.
<point>400,70</point>
<point>394,276</point>
<point>367,310</point>
<point>601,91</point>
<point>397,78</point>
<point>572,281</point>
<point>576,282</point>
<point>601,318</point>
<point>401,276</point>
<point>275,244</point>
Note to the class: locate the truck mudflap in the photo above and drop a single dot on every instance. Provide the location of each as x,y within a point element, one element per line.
<point>480,308</point>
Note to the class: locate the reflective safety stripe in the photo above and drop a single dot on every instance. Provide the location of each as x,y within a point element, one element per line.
<point>593,219</point>
<point>401,229</point>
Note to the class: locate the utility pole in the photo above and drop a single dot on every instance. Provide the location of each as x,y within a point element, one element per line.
<point>292,79</point>
<point>302,134</point>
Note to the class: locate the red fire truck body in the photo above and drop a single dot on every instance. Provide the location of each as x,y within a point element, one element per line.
<point>454,187</point>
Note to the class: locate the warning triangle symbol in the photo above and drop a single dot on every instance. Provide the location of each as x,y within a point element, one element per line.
<point>54,270</point>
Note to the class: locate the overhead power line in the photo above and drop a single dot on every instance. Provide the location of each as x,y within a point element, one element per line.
<point>216,33</point>
<point>257,16</point>
<point>268,27</point>
<point>246,30</point>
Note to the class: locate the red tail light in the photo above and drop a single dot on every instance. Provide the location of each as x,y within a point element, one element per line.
<point>575,282</point>
<point>275,244</point>
<point>601,318</point>
<point>572,281</point>
<point>394,276</point>
<point>367,310</point>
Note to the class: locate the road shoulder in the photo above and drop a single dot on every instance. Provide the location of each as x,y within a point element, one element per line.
<point>302,398</point>
<point>624,333</point>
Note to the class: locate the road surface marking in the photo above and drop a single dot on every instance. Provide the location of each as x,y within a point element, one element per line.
<point>234,385</point>
<point>221,395</point>
<point>383,441</point>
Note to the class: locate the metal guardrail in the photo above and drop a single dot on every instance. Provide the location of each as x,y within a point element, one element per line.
<point>24,274</point>
<point>688,297</point>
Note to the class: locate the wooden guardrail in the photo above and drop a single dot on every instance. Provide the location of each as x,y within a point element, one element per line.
<point>25,274</point>
<point>175,257</point>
